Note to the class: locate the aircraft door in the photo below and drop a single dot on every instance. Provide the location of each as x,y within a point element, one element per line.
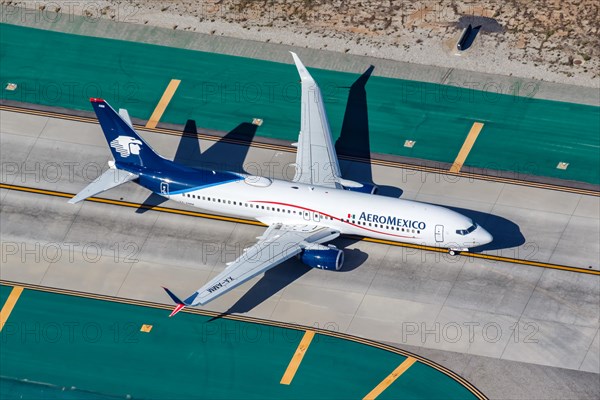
<point>439,233</point>
<point>306,215</point>
<point>164,188</point>
<point>316,216</point>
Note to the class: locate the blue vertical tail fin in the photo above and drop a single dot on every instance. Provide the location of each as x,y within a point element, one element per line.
<point>127,147</point>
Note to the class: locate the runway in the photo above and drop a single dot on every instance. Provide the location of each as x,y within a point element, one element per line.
<point>403,296</point>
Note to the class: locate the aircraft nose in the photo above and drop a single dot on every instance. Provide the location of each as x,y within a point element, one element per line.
<point>483,236</point>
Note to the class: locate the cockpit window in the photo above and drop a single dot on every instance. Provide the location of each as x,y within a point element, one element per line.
<point>464,232</point>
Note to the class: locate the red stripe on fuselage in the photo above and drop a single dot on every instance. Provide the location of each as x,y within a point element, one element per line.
<point>332,217</point>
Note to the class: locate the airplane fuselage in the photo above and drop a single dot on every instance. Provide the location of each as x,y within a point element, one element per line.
<point>352,213</point>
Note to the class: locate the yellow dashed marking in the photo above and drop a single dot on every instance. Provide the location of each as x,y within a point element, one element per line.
<point>466,147</point>
<point>162,104</point>
<point>9,305</point>
<point>297,358</point>
<point>390,378</point>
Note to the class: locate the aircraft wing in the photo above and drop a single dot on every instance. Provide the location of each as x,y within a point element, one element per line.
<point>279,243</point>
<point>316,159</point>
<point>111,178</point>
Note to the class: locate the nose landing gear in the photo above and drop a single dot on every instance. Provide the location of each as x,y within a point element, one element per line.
<point>456,252</point>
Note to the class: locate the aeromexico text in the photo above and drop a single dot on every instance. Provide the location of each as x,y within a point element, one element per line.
<point>389,220</point>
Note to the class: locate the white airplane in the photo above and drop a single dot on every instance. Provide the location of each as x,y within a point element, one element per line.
<point>317,206</point>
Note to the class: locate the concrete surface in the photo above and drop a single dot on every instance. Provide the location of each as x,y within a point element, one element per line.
<point>504,318</point>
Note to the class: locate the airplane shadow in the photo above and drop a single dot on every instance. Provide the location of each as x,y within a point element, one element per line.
<point>505,232</point>
<point>279,277</point>
<point>189,153</point>
<point>354,142</point>
<point>269,284</point>
<point>353,258</point>
<point>354,136</point>
<point>221,155</point>
<point>153,200</point>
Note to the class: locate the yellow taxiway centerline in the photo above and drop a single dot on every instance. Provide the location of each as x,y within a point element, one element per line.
<point>250,222</point>
<point>162,104</point>
<point>406,364</point>
<point>9,305</point>
<point>466,147</point>
<point>297,358</point>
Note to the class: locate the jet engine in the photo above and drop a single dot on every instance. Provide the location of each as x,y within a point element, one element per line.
<point>323,257</point>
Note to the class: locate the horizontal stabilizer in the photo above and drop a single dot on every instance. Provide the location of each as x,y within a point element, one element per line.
<point>113,177</point>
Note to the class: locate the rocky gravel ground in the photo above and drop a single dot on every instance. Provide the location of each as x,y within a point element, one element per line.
<point>552,40</point>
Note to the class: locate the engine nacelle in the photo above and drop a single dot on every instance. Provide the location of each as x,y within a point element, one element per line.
<point>365,188</point>
<point>329,258</point>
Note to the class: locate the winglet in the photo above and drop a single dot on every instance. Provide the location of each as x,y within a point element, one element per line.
<point>304,74</point>
<point>180,304</point>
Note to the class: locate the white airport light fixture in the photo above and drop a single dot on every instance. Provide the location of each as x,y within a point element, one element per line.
<point>562,165</point>
<point>409,143</point>
<point>257,121</point>
<point>11,86</point>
